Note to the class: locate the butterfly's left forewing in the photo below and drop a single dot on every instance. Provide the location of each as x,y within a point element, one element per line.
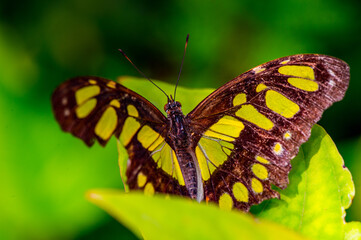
<point>94,109</point>
<point>247,131</point>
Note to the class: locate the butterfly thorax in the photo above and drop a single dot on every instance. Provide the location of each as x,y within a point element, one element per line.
<point>178,128</point>
<point>179,134</point>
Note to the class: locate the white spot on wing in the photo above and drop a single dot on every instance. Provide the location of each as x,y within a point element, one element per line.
<point>332,73</point>
<point>277,148</point>
<point>287,135</point>
<point>66,112</point>
<point>258,69</point>
<point>64,101</point>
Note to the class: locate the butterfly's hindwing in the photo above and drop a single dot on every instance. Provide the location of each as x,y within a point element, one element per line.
<point>154,170</point>
<point>263,116</point>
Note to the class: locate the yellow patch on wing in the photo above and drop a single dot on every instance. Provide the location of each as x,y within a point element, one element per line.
<point>278,149</point>
<point>262,160</point>
<point>115,103</point>
<point>130,127</point>
<point>202,161</point>
<point>111,84</point>
<point>210,154</point>
<point>297,71</point>
<point>84,109</point>
<point>149,138</point>
<point>287,135</point>
<point>284,62</point>
<point>256,185</point>
<point>149,189</point>
<point>260,87</point>
<point>218,135</point>
<point>215,150</point>
<point>227,128</point>
<point>225,202</point>
<point>250,113</point>
<point>240,192</point>
<point>132,111</point>
<point>260,171</point>
<point>166,159</point>
<point>280,104</point>
<point>239,99</point>
<point>92,81</point>
<point>106,124</point>
<point>178,171</point>
<point>303,84</point>
<point>141,180</point>
<point>85,93</point>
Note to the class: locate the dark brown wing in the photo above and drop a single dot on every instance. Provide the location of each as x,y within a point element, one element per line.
<point>94,108</point>
<point>259,120</point>
<point>79,105</point>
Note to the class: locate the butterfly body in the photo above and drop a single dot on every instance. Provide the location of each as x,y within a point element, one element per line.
<point>231,149</point>
<point>180,135</point>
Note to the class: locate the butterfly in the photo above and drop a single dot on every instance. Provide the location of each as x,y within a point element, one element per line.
<point>230,149</point>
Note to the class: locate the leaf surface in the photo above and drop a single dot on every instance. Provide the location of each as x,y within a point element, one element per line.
<point>161,217</point>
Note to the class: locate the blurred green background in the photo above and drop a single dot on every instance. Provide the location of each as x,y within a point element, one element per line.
<point>44,173</point>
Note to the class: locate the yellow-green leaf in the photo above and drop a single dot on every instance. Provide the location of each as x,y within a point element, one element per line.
<point>158,218</point>
<point>320,190</point>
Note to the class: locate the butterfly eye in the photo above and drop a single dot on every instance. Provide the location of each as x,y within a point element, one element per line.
<point>166,107</point>
<point>178,104</point>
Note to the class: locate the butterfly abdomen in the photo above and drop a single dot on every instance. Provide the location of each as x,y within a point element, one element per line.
<point>189,171</point>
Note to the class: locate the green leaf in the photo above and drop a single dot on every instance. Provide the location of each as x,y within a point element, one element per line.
<point>320,188</point>
<point>44,174</point>
<point>353,231</point>
<point>159,217</point>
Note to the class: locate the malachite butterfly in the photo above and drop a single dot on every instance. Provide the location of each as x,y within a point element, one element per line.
<point>230,149</point>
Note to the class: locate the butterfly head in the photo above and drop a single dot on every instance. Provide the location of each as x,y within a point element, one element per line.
<point>172,106</point>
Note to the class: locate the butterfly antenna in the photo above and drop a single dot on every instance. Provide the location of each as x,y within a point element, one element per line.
<point>180,70</point>
<point>120,50</point>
